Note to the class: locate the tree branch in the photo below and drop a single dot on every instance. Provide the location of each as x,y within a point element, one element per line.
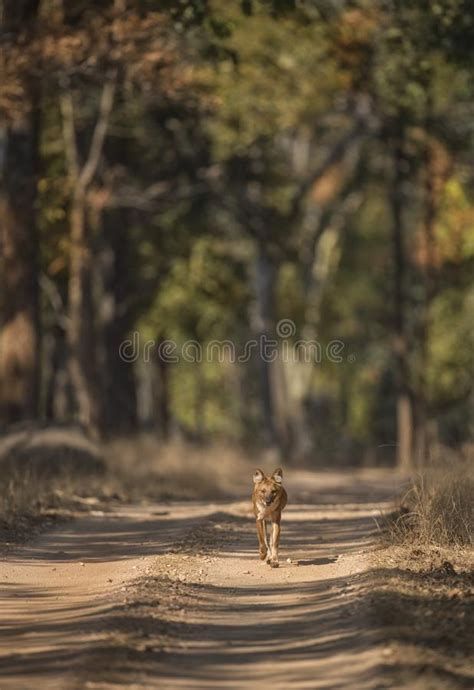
<point>317,219</point>
<point>69,135</point>
<point>100,130</point>
<point>151,198</point>
<point>332,157</point>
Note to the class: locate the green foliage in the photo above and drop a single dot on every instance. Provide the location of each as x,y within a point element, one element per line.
<point>205,153</point>
<point>451,360</point>
<point>203,296</point>
<point>272,85</point>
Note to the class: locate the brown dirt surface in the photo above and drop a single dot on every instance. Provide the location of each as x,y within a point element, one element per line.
<point>172,595</point>
<point>424,599</point>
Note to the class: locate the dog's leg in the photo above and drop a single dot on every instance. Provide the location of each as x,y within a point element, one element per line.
<point>275,542</point>
<point>268,541</point>
<point>262,539</point>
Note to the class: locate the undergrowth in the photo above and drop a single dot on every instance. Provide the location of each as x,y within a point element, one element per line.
<point>438,508</point>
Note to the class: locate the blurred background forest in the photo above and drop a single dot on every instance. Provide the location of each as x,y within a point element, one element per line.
<point>196,170</point>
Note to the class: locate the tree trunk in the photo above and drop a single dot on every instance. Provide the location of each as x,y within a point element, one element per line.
<point>53,343</point>
<point>120,399</point>
<point>161,402</point>
<point>84,370</point>
<point>82,336</point>
<point>422,441</point>
<point>264,292</point>
<point>19,304</point>
<point>400,342</point>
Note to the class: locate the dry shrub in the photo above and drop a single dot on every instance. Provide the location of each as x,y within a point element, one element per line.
<point>42,470</point>
<point>25,497</point>
<point>49,452</point>
<point>439,507</point>
<point>139,468</point>
<point>51,472</point>
<point>18,495</point>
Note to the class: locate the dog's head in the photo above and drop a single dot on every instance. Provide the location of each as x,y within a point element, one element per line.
<point>267,487</point>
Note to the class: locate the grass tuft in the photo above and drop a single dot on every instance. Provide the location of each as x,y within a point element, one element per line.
<point>438,508</point>
<point>50,473</point>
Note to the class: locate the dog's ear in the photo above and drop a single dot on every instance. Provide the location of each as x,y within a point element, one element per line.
<point>257,476</point>
<point>277,475</point>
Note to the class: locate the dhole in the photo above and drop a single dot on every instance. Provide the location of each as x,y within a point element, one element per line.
<point>269,498</point>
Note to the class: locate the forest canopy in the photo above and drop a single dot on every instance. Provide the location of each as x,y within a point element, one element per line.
<point>186,178</point>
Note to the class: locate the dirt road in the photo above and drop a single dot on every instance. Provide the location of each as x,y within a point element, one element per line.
<point>173,596</point>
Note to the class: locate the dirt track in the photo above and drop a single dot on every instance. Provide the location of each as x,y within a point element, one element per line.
<point>173,596</point>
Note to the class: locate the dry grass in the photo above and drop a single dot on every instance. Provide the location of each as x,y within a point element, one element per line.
<point>19,495</point>
<point>43,473</point>
<point>28,500</point>
<point>423,579</point>
<point>438,508</point>
<point>142,468</point>
<point>49,473</point>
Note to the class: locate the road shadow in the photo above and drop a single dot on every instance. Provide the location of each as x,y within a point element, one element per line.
<point>170,634</point>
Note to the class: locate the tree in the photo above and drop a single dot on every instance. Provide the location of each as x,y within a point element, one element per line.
<point>82,318</point>
<point>278,137</point>
<point>208,169</point>
<point>416,90</point>
<point>401,345</point>
<point>19,306</point>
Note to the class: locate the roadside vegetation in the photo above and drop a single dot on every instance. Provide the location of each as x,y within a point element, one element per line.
<point>438,509</point>
<point>423,579</point>
<point>54,473</point>
<point>45,473</point>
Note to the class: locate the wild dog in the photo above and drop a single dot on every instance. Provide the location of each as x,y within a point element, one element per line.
<point>268,498</point>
